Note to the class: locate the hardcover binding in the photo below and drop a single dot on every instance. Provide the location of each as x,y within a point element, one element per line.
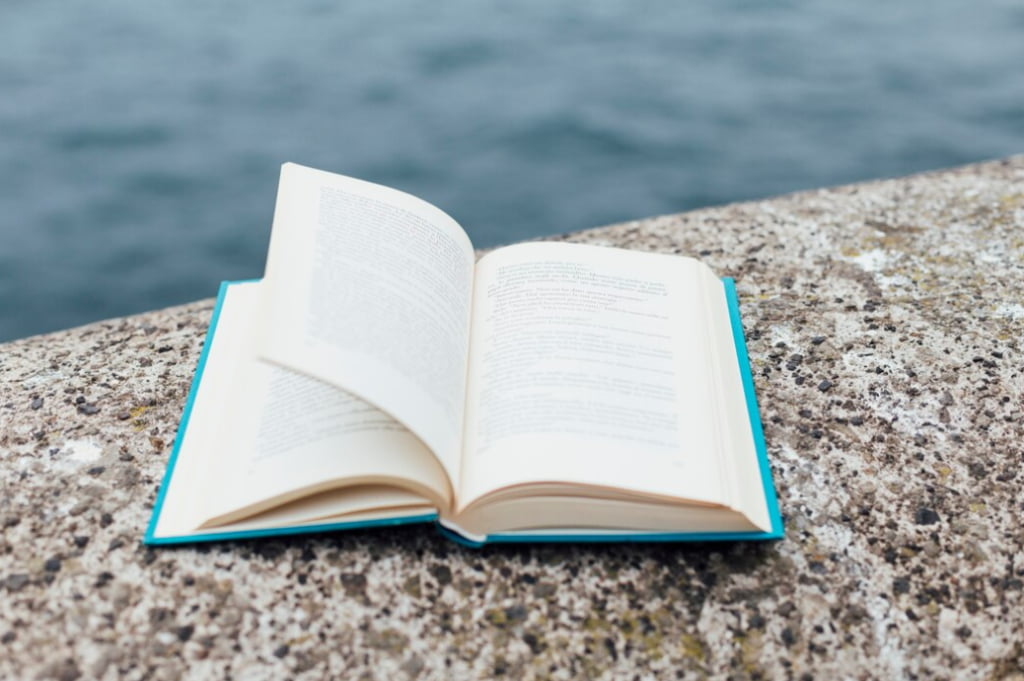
<point>570,536</point>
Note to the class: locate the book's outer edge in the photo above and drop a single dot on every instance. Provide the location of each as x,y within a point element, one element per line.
<point>186,414</point>
<point>757,430</point>
<point>285,531</point>
<point>776,531</point>
<point>151,540</point>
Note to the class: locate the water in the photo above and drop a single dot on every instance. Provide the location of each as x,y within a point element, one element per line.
<point>140,142</point>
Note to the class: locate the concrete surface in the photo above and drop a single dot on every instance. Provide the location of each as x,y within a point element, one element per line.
<point>885,323</point>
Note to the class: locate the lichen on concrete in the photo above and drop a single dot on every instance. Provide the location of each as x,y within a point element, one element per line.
<point>884,323</point>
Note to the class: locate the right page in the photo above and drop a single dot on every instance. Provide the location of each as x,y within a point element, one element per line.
<point>595,367</point>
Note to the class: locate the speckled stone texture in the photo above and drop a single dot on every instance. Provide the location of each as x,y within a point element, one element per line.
<point>884,323</point>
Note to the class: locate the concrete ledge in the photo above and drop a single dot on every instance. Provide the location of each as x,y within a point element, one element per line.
<point>885,323</point>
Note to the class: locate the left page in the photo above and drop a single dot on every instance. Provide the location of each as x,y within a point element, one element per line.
<point>266,447</point>
<point>369,289</point>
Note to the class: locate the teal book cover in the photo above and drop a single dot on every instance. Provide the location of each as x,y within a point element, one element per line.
<point>153,537</point>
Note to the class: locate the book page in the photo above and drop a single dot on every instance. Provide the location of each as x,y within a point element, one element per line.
<point>737,437</point>
<point>589,366</point>
<point>369,289</point>
<point>260,436</point>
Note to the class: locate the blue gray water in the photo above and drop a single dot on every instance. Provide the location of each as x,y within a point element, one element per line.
<point>140,141</point>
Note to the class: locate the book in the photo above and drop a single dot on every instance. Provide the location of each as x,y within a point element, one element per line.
<point>379,374</point>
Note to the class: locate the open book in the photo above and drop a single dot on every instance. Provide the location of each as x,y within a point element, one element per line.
<point>378,374</point>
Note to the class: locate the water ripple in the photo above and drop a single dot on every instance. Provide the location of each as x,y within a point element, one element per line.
<point>87,138</point>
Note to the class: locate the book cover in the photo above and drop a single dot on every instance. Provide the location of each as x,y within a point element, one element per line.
<point>533,536</point>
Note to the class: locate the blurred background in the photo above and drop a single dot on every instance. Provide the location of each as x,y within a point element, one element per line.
<point>140,143</point>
